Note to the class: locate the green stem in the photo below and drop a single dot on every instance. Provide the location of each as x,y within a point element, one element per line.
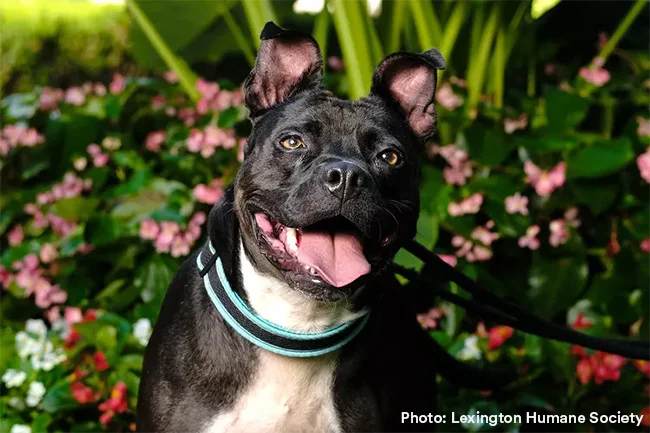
<point>499,67</point>
<point>452,30</point>
<point>530,90</point>
<point>321,29</point>
<point>258,13</point>
<point>354,45</point>
<point>426,24</point>
<point>479,65</point>
<point>622,28</point>
<point>396,25</point>
<point>240,38</point>
<point>186,77</point>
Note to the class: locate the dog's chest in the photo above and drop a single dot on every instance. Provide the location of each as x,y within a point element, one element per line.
<point>286,395</point>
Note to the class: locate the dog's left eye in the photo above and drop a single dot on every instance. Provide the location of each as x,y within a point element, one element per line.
<point>390,157</point>
<point>292,143</point>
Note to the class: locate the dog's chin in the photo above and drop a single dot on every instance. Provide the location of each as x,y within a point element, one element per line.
<point>328,261</point>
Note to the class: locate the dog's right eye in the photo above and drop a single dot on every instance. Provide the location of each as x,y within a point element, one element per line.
<point>292,143</point>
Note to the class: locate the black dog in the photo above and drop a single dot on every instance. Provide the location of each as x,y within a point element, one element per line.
<point>292,323</point>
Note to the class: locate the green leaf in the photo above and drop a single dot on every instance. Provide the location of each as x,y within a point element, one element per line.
<point>41,422</point>
<point>540,7</point>
<point>106,338</point>
<point>59,398</point>
<point>487,146</point>
<point>153,279</point>
<point>75,208</point>
<point>102,229</point>
<point>131,362</point>
<point>564,110</point>
<point>435,194</point>
<point>597,194</point>
<point>546,143</point>
<point>34,168</point>
<point>555,283</point>
<point>600,159</point>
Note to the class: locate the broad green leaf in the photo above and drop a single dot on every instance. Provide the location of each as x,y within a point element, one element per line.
<point>597,194</point>
<point>546,143</point>
<point>600,159</point>
<point>106,338</point>
<point>564,110</point>
<point>59,398</point>
<point>75,208</point>
<point>435,194</point>
<point>555,283</point>
<point>487,146</point>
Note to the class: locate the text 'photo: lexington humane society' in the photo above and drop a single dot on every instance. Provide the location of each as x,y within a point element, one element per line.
<point>329,216</point>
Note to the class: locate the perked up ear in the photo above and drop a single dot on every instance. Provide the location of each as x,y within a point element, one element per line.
<point>288,62</point>
<point>408,81</point>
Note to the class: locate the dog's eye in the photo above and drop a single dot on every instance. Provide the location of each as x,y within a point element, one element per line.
<point>390,157</point>
<point>292,143</point>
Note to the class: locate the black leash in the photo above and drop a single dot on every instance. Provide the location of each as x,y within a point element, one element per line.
<point>506,312</point>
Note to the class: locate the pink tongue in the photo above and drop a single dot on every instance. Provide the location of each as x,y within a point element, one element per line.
<point>338,258</point>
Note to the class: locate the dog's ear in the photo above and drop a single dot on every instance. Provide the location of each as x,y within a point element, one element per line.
<point>287,63</point>
<point>408,81</point>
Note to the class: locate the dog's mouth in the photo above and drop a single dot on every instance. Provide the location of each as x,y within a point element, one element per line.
<point>329,251</point>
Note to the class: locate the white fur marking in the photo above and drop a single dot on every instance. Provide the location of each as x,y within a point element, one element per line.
<point>286,395</point>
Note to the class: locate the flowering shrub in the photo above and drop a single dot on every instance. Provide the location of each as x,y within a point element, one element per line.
<point>107,188</point>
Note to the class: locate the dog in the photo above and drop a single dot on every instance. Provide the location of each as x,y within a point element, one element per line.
<point>288,319</point>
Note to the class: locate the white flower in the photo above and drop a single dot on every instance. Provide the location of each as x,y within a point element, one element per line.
<point>20,428</point>
<point>36,327</point>
<point>374,7</point>
<point>35,394</point>
<point>48,358</point>
<point>142,331</point>
<point>13,378</point>
<point>470,350</point>
<point>16,403</point>
<point>308,6</point>
<point>26,345</point>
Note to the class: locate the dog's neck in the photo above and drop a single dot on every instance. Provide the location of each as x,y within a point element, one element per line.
<point>275,301</point>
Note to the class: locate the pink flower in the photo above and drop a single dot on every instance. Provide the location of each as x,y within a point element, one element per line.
<point>100,160</point>
<point>335,63</point>
<point>93,149</point>
<point>512,125</point>
<point>149,229</point>
<point>180,246</point>
<point>48,253</point>
<point>168,230</point>
<point>471,205</point>
<point>75,96</point>
<point>643,163</point>
<point>195,141</point>
<point>46,294</point>
<point>198,219</point>
<point>429,319</point>
<point>155,140</point>
<point>50,98</point>
<point>645,245</point>
<point>559,232</point>
<point>16,235</point>
<point>207,89</point>
<point>188,115</point>
<point>484,235</point>
<point>449,259</point>
<point>595,74</point>
<point>117,85</point>
<point>457,175</point>
<point>170,77</point>
<point>643,130</point>
<point>73,315</point>
<point>447,98</point>
<point>456,81</point>
<point>99,89</point>
<point>209,194</point>
<point>158,102</point>
<point>571,217</point>
<point>530,239</point>
<point>545,182</point>
<point>517,204</point>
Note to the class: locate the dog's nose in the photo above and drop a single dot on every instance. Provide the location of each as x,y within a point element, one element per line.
<point>344,179</point>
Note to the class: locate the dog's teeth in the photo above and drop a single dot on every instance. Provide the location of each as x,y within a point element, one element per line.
<point>313,271</point>
<point>292,240</point>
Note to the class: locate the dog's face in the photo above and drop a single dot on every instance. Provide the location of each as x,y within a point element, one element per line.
<point>329,188</point>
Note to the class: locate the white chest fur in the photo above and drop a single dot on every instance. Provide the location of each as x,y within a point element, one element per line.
<point>286,395</point>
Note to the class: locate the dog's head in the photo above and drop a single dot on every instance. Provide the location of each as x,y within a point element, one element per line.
<point>329,188</point>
